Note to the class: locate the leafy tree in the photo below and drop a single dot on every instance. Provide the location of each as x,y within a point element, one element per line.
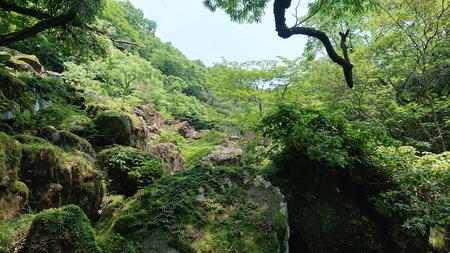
<point>251,11</point>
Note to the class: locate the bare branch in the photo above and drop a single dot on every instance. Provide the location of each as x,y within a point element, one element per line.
<point>279,10</point>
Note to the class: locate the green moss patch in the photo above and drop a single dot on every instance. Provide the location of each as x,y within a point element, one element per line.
<point>61,230</point>
<point>129,169</point>
<point>57,178</point>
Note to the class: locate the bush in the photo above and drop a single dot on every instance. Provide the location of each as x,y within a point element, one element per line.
<point>129,169</point>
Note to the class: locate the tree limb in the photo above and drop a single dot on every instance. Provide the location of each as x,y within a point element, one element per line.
<point>39,27</point>
<point>279,10</point>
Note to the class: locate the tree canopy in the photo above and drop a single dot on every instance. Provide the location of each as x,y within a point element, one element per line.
<point>251,11</point>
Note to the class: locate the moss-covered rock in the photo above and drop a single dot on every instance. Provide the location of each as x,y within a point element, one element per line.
<point>67,141</point>
<point>80,125</point>
<point>10,111</point>
<point>136,130</point>
<point>129,169</point>
<point>10,154</point>
<point>13,193</point>
<point>113,127</point>
<point>172,159</point>
<point>11,86</point>
<point>61,230</point>
<point>202,210</point>
<point>57,178</point>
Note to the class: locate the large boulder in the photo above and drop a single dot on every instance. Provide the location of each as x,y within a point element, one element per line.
<point>186,130</point>
<point>136,129</point>
<point>172,159</point>
<point>67,141</point>
<point>330,211</point>
<point>56,178</point>
<point>202,210</point>
<point>226,154</point>
<point>66,229</point>
<point>129,169</point>
<point>119,128</point>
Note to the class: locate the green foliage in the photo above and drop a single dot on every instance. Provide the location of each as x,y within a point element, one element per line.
<point>61,230</point>
<point>326,138</point>
<point>129,169</point>
<point>423,195</point>
<point>13,231</point>
<point>239,11</point>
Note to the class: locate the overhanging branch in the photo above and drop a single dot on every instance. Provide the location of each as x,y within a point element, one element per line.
<point>37,28</point>
<point>279,11</point>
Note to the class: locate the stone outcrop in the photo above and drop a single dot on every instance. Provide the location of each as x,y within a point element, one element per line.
<point>67,141</point>
<point>225,154</point>
<point>186,130</point>
<point>129,169</point>
<point>170,155</point>
<point>126,129</point>
<point>21,62</point>
<point>56,178</point>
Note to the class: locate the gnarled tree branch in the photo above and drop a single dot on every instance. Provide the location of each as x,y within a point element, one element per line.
<point>279,11</point>
<point>47,21</point>
<point>37,28</point>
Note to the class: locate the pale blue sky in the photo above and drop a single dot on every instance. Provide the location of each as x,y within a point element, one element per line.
<point>201,34</point>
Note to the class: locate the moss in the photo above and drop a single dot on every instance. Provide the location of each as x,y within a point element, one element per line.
<point>31,60</point>
<point>67,141</point>
<point>129,169</point>
<point>113,127</point>
<point>438,240</point>
<point>11,86</point>
<point>78,124</point>
<point>10,155</point>
<point>57,178</point>
<point>13,232</point>
<point>61,230</point>
<point>21,189</point>
<point>29,139</point>
<point>199,210</point>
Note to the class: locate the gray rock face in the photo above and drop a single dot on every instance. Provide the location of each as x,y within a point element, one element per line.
<point>225,155</point>
<point>186,130</point>
<point>135,130</point>
<point>169,153</point>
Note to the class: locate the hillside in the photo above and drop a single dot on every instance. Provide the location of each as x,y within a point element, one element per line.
<point>113,141</point>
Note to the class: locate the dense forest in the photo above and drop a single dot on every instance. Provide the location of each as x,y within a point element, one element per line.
<point>113,141</point>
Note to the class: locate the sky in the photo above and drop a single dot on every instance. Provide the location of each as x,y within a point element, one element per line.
<point>202,35</point>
